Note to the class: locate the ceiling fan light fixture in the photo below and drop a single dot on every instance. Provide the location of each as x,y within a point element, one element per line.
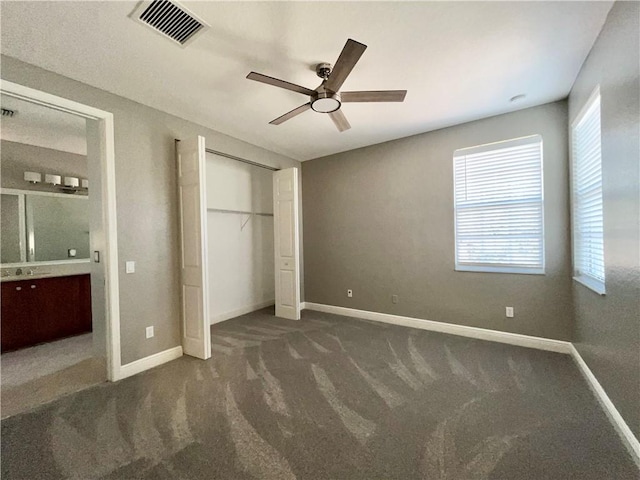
<point>325,102</point>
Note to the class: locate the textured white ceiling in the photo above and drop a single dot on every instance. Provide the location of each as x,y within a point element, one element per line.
<point>459,61</point>
<point>45,127</point>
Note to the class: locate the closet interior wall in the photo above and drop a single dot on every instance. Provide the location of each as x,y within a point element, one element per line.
<point>239,237</point>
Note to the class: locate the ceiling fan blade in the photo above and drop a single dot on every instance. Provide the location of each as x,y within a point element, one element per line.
<point>340,120</point>
<point>374,96</point>
<point>348,58</point>
<point>258,77</point>
<point>291,114</point>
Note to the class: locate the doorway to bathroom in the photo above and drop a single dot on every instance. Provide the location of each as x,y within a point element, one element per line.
<point>59,308</point>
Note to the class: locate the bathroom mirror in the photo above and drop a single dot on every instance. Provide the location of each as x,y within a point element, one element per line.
<point>12,222</point>
<point>43,227</point>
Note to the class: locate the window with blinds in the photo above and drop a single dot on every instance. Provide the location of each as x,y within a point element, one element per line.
<point>499,214</point>
<point>588,228</point>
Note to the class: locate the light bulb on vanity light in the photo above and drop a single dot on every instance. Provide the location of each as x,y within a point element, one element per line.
<point>32,177</point>
<point>53,179</point>
<point>73,182</point>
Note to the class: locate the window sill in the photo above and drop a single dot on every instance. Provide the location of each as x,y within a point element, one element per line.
<point>490,269</point>
<point>591,284</point>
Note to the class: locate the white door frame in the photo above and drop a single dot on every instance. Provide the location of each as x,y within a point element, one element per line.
<point>108,174</point>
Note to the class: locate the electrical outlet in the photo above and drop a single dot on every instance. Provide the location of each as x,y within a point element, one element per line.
<point>130,267</point>
<point>509,312</point>
<point>349,293</point>
<point>394,298</point>
<point>149,331</point>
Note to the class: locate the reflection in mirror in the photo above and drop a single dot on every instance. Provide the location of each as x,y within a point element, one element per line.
<point>10,219</point>
<point>57,228</point>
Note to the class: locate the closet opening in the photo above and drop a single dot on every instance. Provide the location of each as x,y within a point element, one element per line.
<point>240,235</point>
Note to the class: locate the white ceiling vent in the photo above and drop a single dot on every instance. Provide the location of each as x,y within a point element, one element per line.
<point>170,19</point>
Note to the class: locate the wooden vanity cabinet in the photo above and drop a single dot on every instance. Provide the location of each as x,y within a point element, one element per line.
<point>44,309</point>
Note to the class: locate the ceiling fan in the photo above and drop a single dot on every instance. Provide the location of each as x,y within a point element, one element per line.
<point>327,98</point>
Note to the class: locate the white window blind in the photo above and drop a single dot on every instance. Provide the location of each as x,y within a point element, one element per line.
<point>498,203</point>
<point>588,231</point>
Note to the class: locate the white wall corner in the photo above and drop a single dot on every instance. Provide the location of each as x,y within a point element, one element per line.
<point>628,438</point>
<point>149,362</point>
<point>240,311</point>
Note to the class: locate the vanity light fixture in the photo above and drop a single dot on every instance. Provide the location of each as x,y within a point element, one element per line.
<point>32,177</point>
<point>72,182</point>
<point>53,179</point>
<point>66,184</point>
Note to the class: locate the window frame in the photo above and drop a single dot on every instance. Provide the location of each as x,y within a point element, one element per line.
<point>506,268</point>
<point>588,281</point>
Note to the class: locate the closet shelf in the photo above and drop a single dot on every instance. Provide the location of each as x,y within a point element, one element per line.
<point>242,212</point>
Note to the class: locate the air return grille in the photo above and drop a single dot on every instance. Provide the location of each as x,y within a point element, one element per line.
<point>170,19</point>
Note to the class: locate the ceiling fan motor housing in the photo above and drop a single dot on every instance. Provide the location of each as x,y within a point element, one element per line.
<point>323,70</point>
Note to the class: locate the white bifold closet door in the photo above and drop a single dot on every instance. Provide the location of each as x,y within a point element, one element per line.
<point>196,335</point>
<point>287,245</point>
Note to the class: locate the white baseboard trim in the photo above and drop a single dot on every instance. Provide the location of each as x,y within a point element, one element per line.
<point>628,438</point>
<point>453,329</point>
<point>149,362</point>
<point>303,306</point>
<point>221,317</point>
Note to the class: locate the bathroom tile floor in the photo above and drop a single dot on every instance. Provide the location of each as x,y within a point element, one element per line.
<point>40,374</point>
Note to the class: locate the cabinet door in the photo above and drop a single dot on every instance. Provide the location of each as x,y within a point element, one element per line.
<point>44,310</point>
<point>84,305</point>
<point>55,307</point>
<point>17,320</point>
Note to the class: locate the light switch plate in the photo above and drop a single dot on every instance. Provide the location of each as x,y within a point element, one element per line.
<point>130,267</point>
<point>509,312</point>
<point>149,331</point>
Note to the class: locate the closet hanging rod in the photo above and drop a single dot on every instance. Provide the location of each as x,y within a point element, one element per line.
<point>222,210</point>
<point>239,159</point>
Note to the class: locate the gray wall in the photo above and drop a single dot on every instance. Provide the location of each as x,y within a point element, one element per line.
<point>147,202</point>
<point>379,220</point>
<point>17,158</point>
<point>608,327</point>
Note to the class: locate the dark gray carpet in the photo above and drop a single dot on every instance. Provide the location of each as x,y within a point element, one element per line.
<point>328,397</point>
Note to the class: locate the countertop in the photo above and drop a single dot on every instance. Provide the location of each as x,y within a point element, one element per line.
<point>38,275</point>
<point>43,270</point>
